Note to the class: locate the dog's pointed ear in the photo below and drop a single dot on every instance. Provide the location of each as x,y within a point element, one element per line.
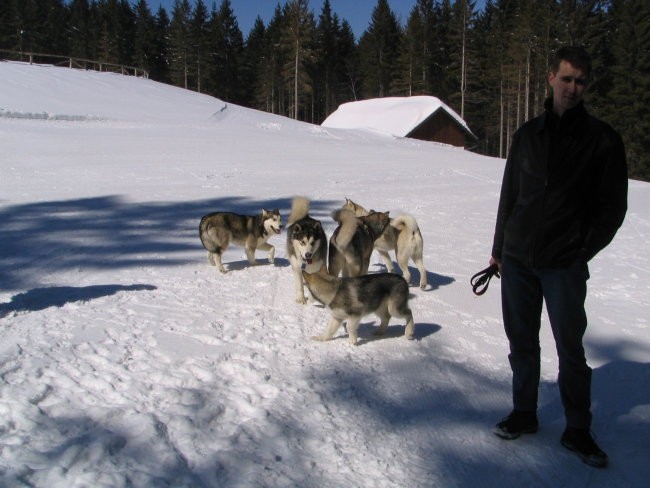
<point>323,269</point>
<point>297,228</point>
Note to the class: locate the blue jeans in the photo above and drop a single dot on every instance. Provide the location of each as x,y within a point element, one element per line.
<point>523,290</point>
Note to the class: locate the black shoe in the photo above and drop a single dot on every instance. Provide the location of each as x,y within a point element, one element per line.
<point>581,442</point>
<point>517,423</point>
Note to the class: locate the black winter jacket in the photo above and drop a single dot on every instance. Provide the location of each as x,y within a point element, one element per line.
<point>564,191</point>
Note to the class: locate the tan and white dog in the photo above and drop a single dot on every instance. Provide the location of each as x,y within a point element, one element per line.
<point>404,237</point>
<point>351,299</point>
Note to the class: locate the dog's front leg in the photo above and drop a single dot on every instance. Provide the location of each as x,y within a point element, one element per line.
<point>250,255</point>
<point>265,246</point>
<point>353,325</point>
<point>332,327</point>
<point>300,291</point>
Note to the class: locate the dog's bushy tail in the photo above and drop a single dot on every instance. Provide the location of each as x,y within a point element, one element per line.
<point>299,209</point>
<point>347,227</point>
<point>405,222</point>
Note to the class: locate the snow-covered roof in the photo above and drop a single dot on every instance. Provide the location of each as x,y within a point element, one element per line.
<point>397,116</point>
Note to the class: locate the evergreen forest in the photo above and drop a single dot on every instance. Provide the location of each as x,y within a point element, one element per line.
<point>490,65</point>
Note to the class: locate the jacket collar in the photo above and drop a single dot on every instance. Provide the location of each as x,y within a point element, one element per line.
<point>568,121</point>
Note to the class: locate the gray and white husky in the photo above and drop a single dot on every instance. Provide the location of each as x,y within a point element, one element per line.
<point>404,237</point>
<point>306,244</point>
<point>352,242</point>
<point>218,229</point>
<point>350,299</point>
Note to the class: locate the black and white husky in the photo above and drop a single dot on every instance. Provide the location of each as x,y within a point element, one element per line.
<point>350,299</point>
<point>402,236</point>
<point>218,229</point>
<point>306,244</point>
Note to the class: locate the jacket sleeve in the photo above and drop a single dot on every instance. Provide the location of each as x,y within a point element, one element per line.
<point>609,204</point>
<point>509,191</point>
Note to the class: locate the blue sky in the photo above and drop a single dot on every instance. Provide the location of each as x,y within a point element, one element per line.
<point>356,12</point>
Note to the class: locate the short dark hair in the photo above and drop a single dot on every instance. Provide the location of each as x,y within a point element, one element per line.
<point>575,55</point>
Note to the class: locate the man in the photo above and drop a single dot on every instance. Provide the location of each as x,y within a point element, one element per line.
<point>564,196</point>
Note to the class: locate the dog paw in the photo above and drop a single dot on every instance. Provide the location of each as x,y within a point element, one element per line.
<point>301,300</point>
<point>319,338</point>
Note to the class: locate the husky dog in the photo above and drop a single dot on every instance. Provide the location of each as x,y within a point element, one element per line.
<point>350,299</point>
<point>352,242</point>
<point>219,228</point>
<point>402,235</point>
<point>306,244</point>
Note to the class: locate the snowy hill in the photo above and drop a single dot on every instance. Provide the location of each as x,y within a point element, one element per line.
<point>126,360</point>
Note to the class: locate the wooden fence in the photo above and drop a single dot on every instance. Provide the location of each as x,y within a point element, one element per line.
<point>72,62</point>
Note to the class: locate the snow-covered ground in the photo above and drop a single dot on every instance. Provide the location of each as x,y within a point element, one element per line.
<point>127,361</point>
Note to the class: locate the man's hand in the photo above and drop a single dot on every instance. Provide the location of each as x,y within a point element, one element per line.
<point>495,261</point>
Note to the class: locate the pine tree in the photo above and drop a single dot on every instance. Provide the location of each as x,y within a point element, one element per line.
<point>253,56</point>
<point>26,28</point>
<point>379,52</point>
<point>144,42</point>
<point>125,23</point>
<point>325,73</point>
<point>180,43</point>
<point>416,50</point>
<point>108,48</point>
<point>629,97</point>
<point>441,71</point>
<point>78,29</point>
<point>198,47</point>
<point>227,45</point>
<point>296,42</point>
<point>269,93</point>
<point>160,63</point>
<point>8,25</point>
<point>411,66</point>
<point>461,55</point>
<point>52,16</point>
<point>348,65</point>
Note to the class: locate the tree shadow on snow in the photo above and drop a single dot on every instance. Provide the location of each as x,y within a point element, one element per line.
<point>459,401</point>
<point>261,261</point>
<point>109,232</point>
<point>434,280</point>
<point>367,331</point>
<point>58,296</point>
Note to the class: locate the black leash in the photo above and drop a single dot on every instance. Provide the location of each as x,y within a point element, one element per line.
<point>481,280</point>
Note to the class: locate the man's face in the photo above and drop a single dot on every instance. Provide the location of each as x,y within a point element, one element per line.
<point>568,85</point>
